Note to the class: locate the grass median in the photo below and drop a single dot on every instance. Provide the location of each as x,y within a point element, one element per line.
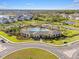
<point>31,53</point>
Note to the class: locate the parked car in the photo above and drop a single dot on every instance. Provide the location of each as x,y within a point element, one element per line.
<point>2,41</point>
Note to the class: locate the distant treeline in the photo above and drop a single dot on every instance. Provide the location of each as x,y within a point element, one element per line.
<point>17,11</point>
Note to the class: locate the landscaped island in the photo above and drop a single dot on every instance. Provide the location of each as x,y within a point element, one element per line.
<point>31,53</point>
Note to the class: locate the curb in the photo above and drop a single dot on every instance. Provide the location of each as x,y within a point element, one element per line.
<point>41,42</point>
<point>29,48</point>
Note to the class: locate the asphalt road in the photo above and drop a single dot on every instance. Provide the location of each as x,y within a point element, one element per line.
<point>15,47</point>
<point>53,49</point>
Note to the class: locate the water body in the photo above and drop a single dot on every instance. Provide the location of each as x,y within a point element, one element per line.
<point>37,29</point>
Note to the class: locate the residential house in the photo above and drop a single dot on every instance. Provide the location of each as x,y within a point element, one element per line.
<point>41,33</point>
<point>25,17</point>
<point>69,22</point>
<point>74,16</point>
<point>65,15</point>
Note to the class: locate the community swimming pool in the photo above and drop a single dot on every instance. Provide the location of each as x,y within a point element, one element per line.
<point>37,29</point>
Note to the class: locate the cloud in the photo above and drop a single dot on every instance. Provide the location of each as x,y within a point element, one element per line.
<point>28,4</point>
<point>76,1</point>
<point>74,5</point>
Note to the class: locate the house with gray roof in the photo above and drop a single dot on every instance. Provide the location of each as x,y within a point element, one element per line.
<point>69,22</point>
<point>74,16</point>
<point>25,17</point>
<point>40,33</point>
<point>3,21</point>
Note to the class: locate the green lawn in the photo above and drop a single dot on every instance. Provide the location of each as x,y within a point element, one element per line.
<point>71,32</point>
<point>61,41</point>
<point>57,42</point>
<point>31,53</point>
<point>68,40</point>
<point>13,38</point>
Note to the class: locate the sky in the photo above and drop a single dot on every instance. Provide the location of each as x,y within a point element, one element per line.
<point>39,4</point>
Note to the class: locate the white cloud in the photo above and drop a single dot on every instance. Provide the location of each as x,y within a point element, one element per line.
<point>28,4</point>
<point>76,1</point>
<point>74,5</point>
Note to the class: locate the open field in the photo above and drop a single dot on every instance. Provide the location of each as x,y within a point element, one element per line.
<point>31,53</point>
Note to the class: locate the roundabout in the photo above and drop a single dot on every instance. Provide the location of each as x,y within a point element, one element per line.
<point>19,46</point>
<point>31,53</point>
<point>62,52</point>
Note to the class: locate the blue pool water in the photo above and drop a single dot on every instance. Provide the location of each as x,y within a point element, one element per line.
<point>37,29</point>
